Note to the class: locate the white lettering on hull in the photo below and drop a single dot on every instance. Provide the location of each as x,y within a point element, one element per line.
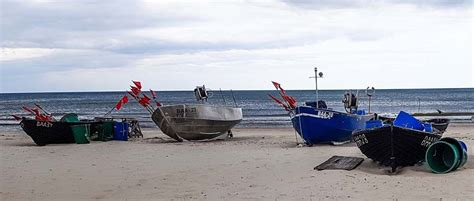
<point>320,115</point>
<point>44,124</point>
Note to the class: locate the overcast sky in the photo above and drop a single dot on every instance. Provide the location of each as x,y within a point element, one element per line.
<point>176,45</point>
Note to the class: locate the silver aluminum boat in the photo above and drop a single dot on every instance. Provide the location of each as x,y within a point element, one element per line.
<point>196,121</point>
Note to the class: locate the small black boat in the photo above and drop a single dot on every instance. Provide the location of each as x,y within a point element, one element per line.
<point>401,143</point>
<point>440,124</point>
<point>53,132</point>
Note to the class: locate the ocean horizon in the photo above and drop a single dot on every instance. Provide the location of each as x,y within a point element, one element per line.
<point>188,90</point>
<point>258,109</point>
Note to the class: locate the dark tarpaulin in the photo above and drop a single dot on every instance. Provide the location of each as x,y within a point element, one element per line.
<point>340,163</point>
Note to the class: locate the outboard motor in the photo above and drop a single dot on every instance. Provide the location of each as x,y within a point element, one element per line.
<point>201,93</point>
<point>350,102</point>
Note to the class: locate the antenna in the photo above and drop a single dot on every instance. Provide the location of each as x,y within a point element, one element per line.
<point>315,77</point>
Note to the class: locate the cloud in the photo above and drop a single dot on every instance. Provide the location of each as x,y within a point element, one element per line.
<point>80,24</point>
<point>36,61</point>
<point>345,4</point>
<point>9,54</point>
<point>90,45</point>
<point>151,27</point>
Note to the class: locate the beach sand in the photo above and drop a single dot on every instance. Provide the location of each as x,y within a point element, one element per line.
<point>257,164</point>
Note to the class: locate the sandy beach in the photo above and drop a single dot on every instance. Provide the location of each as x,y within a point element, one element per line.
<point>257,164</point>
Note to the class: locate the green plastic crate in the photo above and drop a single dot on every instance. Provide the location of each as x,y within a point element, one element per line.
<point>103,131</point>
<point>81,133</point>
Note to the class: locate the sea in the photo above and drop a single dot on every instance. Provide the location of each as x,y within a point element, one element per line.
<point>258,109</point>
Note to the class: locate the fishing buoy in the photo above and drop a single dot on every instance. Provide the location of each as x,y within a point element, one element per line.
<point>446,155</point>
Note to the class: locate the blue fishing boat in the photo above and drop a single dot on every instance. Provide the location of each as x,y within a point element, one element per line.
<point>316,123</point>
<point>322,125</point>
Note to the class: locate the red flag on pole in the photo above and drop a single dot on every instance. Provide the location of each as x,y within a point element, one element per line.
<point>135,90</point>
<point>291,101</point>
<point>27,109</point>
<point>119,105</point>
<point>124,99</point>
<point>275,99</point>
<point>36,111</point>
<point>39,106</point>
<point>282,90</point>
<point>138,84</point>
<point>278,87</point>
<point>276,84</point>
<point>132,94</point>
<point>43,118</point>
<point>279,102</point>
<point>153,94</point>
<point>145,101</point>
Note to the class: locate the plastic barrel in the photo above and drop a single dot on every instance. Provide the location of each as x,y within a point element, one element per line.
<point>71,117</point>
<point>442,157</point>
<point>462,148</point>
<point>81,133</point>
<point>121,131</point>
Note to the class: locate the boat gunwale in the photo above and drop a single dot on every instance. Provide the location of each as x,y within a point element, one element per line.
<point>330,110</point>
<point>208,105</point>
<point>357,132</point>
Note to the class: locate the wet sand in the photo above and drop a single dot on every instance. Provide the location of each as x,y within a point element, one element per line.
<point>257,164</point>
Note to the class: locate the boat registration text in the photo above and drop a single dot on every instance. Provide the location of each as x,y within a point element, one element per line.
<point>360,140</point>
<point>324,115</point>
<point>428,140</point>
<point>182,112</point>
<point>44,124</point>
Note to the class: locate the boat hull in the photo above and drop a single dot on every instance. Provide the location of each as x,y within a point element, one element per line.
<point>394,146</point>
<point>324,126</point>
<point>56,132</point>
<point>196,122</point>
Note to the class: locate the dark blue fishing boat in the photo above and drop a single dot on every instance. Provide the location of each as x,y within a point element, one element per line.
<point>316,123</point>
<point>321,125</point>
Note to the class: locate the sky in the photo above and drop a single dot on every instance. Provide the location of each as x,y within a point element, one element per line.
<point>54,46</point>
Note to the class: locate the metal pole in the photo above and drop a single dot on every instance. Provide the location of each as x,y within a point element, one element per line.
<point>106,114</point>
<point>316,83</point>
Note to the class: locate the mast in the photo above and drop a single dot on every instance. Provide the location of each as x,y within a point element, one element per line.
<point>316,76</point>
